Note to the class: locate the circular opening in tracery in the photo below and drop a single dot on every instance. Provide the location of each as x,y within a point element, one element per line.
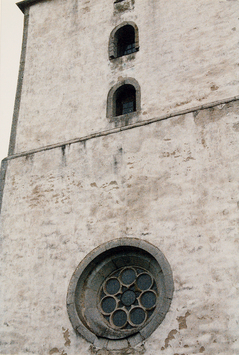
<point>148,299</point>
<point>137,316</point>
<point>144,281</point>
<point>112,286</point>
<point>119,318</point>
<point>128,276</point>
<point>108,304</point>
<point>128,298</point>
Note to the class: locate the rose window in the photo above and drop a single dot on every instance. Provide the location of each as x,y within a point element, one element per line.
<point>128,297</point>
<point>120,293</point>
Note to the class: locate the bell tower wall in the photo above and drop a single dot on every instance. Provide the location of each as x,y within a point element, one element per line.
<point>187,56</point>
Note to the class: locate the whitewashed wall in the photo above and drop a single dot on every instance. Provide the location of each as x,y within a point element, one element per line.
<point>173,183</point>
<point>188,56</point>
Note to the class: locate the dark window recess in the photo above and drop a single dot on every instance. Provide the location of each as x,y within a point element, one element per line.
<point>125,38</point>
<point>128,107</point>
<point>125,100</point>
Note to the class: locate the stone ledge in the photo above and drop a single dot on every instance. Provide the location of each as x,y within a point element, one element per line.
<point>25,3</point>
<point>116,130</point>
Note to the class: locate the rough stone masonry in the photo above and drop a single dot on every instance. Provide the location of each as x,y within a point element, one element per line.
<point>75,179</point>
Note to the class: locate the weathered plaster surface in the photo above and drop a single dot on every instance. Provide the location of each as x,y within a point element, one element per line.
<point>173,183</point>
<point>188,56</point>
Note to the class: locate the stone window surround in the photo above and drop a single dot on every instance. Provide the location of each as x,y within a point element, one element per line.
<point>85,268</point>
<point>111,102</point>
<point>112,40</point>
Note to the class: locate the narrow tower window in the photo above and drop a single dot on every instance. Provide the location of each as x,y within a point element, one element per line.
<point>125,100</point>
<point>124,39</point>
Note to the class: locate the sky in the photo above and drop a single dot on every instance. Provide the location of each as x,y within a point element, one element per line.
<point>11,27</point>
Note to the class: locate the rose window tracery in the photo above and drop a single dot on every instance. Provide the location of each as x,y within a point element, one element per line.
<point>120,293</point>
<point>128,297</point>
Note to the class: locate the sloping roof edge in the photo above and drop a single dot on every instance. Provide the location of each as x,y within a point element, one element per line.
<point>25,3</point>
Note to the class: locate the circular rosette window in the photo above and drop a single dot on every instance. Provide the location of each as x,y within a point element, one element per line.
<point>128,297</point>
<point>120,293</point>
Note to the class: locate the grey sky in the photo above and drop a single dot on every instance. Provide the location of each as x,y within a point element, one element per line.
<point>11,37</point>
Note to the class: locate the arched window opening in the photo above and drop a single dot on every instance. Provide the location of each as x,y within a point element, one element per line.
<point>125,40</point>
<point>125,100</point>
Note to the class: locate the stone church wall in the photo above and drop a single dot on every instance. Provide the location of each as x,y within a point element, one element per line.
<point>76,178</point>
<point>173,183</point>
<point>188,56</point>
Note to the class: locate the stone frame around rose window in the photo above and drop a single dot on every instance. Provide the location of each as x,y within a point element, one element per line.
<point>82,296</point>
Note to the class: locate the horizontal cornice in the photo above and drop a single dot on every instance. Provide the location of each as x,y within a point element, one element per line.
<point>124,128</point>
<point>26,3</point>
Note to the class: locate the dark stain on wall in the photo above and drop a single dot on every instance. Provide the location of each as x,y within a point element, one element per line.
<point>182,321</point>
<point>66,336</point>
<point>169,337</point>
